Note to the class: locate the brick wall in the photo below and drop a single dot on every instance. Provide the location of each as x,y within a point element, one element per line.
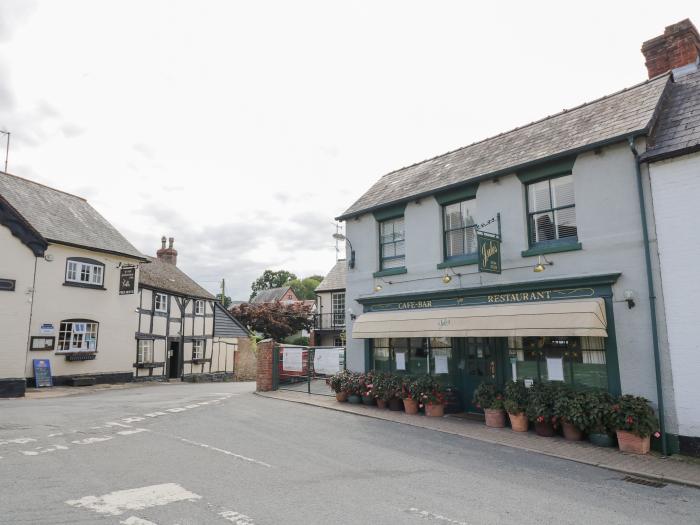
<point>678,46</point>
<point>264,365</point>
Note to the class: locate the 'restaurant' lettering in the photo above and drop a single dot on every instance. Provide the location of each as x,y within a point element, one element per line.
<point>519,297</point>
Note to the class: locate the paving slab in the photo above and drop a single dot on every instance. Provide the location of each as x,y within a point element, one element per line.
<point>673,469</point>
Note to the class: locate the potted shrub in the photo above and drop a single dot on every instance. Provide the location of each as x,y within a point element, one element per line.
<point>338,383</point>
<point>490,400</point>
<point>432,398</point>
<point>540,408</point>
<point>570,410</point>
<point>382,393</point>
<point>515,403</point>
<point>635,422</point>
<point>394,393</point>
<point>367,388</point>
<point>598,407</point>
<point>354,388</point>
<point>410,389</point>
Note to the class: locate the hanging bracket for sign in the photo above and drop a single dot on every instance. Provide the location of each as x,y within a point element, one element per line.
<point>489,247</point>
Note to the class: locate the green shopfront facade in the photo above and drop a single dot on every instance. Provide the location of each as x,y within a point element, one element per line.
<point>578,355</point>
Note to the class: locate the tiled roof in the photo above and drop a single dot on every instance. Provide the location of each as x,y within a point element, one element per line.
<point>271,295</point>
<point>621,114</point>
<point>169,278</point>
<point>678,128</point>
<point>335,280</point>
<point>63,218</point>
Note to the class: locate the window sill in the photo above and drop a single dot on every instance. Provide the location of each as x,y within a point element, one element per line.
<point>552,248</point>
<point>201,361</point>
<point>149,365</point>
<point>84,285</point>
<point>390,271</point>
<point>459,261</point>
<point>79,356</point>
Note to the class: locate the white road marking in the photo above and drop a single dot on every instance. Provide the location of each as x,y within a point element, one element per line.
<point>156,414</point>
<point>55,434</point>
<point>18,441</point>
<point>134,431</point>
<point>43,450</point>
<point>236,517</point>
<point>203,403</point>
<point>115,424</point>
<point>116,503</point>
<point>133,520</point>
<point>89,441</point>
<point>176,409</point>
<point>433,517</point>
<point>227,452</point>
<point>191,406</point>
<point>132,419</point>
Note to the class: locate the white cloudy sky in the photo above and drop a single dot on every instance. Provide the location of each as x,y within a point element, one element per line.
<point>243,128</point>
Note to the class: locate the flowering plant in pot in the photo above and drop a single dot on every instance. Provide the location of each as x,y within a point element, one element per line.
<point>635,422</point>
<point>570,409</point>
<point>490,400</point>
<point>382,388</point>
<point>410,391</point>
<point>366,384</point>
<point>432,398</point>
<point>540,408</point>
<point>355,386</point>
<point>600,427</point>
<point>394,392</point>
<point>515,403</point>
<point>338,383</point>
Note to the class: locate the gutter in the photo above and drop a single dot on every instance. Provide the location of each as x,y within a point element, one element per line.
<point>652,298</point>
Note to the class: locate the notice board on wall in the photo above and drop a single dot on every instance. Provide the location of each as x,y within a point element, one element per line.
<point>42,372</point>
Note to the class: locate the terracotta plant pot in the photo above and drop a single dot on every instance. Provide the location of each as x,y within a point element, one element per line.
<point>544,429</point>
<point>632,443</point>
<point>495,418</point>
<point>410,406</point>
<point>396,404</point>
<point>571,432</point>
<point>518,422</point>
<point>601,439</point>
<point>435,410</point>
<point>368,400</point>
<point>381,403</point>
<point>341,396</point>
<point>354,399</point>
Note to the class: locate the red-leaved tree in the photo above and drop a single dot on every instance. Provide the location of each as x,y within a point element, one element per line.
<point>274,320</point>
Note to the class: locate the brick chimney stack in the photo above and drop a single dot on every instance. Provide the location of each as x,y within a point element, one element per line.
<point>677,47</point>
<point>169,254</point>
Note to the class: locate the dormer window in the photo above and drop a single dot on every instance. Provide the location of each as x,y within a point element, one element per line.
<point>86,273</point>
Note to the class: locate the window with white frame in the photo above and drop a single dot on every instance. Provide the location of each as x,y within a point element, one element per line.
<point>85,271</point>
<point>77,336</point>
<point>459,228</point>
<point>392,250</point>
<point>145,351</point>
<point>198,349</point>
<point>161,302</point>
<point>199,307</point>
<point>551,211</point>
<point>338,305</point>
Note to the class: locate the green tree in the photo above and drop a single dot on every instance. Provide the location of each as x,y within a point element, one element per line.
<point>270,279</point>
<point>304,288</point>
<point>225,300</point>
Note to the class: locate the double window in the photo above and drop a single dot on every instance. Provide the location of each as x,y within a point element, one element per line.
<point>85,272</point>
<point>199,307</point>
<point>392,244</point>
<point>144,352</point>
<point>160,302</point>
<point>198,349</point>
<point>459,229</point>
<point>77,336</point>
<point>551,211</point>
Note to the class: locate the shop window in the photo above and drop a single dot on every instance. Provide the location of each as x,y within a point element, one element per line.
<point>392,244</point>
<point>381,354</point>
<point>413,356</point>
<point>459,229</point>
<point>145,351</point>
<point>77,336</point>
<point>578,361</point>
<point>551,211</point>
<point>84,272</point>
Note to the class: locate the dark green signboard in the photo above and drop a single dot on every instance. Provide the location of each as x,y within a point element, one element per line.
<point>489,254</point>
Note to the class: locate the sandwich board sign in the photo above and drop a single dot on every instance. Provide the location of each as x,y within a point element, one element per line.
<point>42,372</point>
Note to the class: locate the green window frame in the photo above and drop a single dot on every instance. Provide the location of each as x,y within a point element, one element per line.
<point>392,244</point>
<point>459,227</point>
<point>551,211</point>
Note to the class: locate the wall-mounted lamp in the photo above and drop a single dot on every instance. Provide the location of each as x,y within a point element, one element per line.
<point>352,314</point>
<point>542,266</point>
<point>378,288</point>
<point>446,279</point>
<point>340,237</point>
<point>629,297</point>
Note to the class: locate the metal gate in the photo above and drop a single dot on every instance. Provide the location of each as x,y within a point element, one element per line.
<point>305,368</point>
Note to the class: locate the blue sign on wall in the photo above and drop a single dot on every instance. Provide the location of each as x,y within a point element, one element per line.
<point>42,372</point>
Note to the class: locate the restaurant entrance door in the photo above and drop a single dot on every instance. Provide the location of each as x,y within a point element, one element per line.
<point>481,360</point>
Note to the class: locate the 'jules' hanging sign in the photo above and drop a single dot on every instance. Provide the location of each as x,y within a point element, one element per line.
<point>489,253</point>
<point>127,280</point>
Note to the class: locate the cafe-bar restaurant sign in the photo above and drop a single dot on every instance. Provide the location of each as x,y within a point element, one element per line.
<point>489,253</point>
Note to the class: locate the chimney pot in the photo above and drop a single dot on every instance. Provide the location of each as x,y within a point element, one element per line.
<point>169,254</point>
<point>162,240</point>
<point>171,240</point>
<point>677,47</point>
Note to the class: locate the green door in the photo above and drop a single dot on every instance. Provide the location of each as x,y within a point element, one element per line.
<point>482,362</point>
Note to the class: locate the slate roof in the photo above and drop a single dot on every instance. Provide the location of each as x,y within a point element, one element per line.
<point>169,278</point>
<point>63,218</point>
<point>335,280</point>
<point>271,295</point>
<point>678,129</point>
<point>627,112</point>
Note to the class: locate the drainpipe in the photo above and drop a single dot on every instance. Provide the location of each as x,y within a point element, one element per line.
<point>652,298</point>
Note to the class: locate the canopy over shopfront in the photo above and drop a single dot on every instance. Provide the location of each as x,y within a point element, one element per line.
<point>582,317</point>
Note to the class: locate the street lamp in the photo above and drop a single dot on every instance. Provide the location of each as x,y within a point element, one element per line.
<point>340,237</point>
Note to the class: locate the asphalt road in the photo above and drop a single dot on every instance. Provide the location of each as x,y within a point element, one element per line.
<point>215,453</point>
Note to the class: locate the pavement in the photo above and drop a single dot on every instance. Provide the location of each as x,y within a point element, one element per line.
<point>674,469</point>
<point>181,454</point>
